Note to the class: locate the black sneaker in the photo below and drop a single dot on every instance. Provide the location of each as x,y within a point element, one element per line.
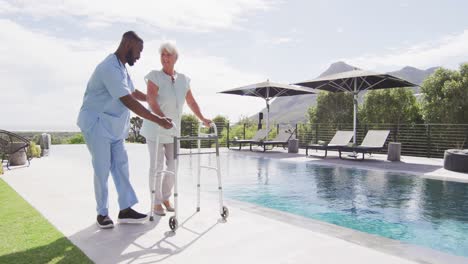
<point>104,221</point>
<point>130,216</point>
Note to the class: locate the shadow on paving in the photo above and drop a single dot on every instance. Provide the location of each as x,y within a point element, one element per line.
<point>59,251</point>
<point>112,245</point>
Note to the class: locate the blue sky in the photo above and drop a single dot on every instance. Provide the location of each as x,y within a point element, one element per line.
<point>50,48</point>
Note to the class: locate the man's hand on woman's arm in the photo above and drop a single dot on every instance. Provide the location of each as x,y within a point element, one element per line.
<point>140,110</point>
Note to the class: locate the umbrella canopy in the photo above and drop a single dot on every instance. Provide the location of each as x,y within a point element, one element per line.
<point>354,82</point>
<point>268,90</point>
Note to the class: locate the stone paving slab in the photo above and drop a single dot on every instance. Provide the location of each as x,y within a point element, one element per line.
<point>60,187</point>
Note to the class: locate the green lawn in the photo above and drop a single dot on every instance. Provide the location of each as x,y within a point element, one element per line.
<point>27,237</point>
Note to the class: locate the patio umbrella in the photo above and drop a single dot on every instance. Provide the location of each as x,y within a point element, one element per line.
<point>356,81</point>
<point>268,91</point>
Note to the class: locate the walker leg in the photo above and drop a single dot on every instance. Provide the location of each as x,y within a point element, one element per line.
<point>173,223</point>
<point>223,211</point>
<point>198,176</point>
<point>153,187</point>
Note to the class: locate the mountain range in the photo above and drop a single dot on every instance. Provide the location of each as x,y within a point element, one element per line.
<point>297,105</point>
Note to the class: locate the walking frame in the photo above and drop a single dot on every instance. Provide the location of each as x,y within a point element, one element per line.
<point>223,210</point>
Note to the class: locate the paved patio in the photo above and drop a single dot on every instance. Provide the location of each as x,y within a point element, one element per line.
<point>61,188</point>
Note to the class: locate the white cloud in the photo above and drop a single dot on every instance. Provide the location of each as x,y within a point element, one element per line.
<point>97,24</point>
<point>203,15</point>
<point>264,39</point>
<point>447,51</point>
<point>43,83</point>
<point>404,4</point>
<point>209,75</point>
<point>282,40</point>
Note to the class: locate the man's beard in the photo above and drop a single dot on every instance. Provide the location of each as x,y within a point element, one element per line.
<point>129,58</point>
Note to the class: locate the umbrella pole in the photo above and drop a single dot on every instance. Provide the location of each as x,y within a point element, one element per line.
<point>355,118</point>
<point>267,99</point>
<point>267,117</point>
<point>355,98</point>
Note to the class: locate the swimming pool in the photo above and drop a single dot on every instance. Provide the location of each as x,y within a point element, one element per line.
<point>405,207</point>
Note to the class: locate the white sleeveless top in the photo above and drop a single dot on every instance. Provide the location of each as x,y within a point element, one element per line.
<point>171,100</point>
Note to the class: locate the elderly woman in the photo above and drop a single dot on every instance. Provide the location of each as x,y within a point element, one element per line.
<point>167,91</point>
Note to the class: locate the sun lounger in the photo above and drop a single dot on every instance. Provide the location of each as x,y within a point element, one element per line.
<point>259,135</point>
<point>340,139</point>
<point>373,141</point>
<point>281,139</point>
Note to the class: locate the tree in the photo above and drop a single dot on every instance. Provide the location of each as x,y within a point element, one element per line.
<point>221,123</point>
<point>244,128</point>
<point>189,127</point>
<point>247,121</point>
<point>135,127</point>
<point>445,96</point>
<point>332,108</point>
<point>390,106</point>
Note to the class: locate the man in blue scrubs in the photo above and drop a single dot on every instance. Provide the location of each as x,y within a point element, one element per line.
<point>104,121</point>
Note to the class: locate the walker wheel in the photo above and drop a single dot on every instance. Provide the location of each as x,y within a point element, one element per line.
<point>173,224</point>
<point>225,213</point>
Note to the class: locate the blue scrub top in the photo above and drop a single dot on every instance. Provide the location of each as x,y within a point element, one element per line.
<point>101,104</point>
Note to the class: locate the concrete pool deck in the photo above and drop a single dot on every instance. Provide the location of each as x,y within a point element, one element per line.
<point>60,188</point>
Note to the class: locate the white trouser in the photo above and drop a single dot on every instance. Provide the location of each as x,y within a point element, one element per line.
<point>164,150</point>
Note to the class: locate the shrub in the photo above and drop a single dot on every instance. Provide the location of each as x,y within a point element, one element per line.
<point>57,140</point>
<point>76,139</point>
<point>34,150</point>
<point>36,138</point>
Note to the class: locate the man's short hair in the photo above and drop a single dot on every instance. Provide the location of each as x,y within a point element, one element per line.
<point>131,35</point>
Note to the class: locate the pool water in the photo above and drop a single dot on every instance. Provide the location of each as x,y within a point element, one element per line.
<point>405,207</point>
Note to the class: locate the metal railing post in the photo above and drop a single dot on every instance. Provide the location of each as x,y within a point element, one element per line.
<point>316,133</point>
<point>428,132</point>
<point>227,139</point>
<point>244,130</point>
<point>465,145</point>
<point>190,133</point>
<point>395,131</point>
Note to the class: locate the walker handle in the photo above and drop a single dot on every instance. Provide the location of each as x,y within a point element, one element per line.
<point>213,125</point>
<point>173,125</point>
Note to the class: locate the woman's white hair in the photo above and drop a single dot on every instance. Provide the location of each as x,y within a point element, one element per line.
<point>169,47</point>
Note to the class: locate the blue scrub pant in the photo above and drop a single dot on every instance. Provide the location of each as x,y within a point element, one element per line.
<point>109,156</point>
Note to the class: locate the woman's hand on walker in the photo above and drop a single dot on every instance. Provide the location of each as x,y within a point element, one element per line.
<point>207,122</point>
